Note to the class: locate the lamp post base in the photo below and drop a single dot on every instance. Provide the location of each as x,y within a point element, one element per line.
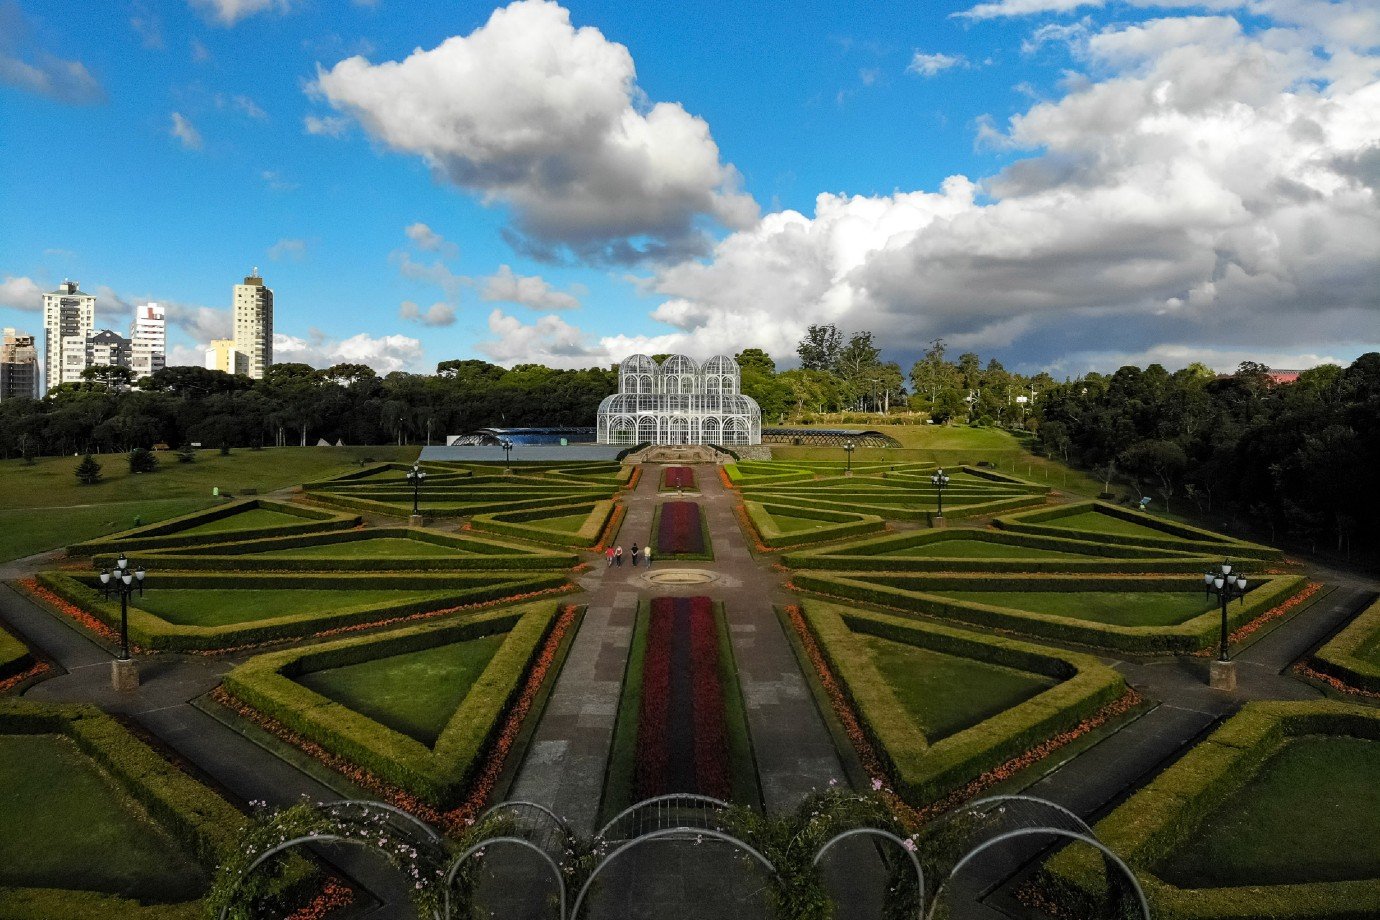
<point>124,674</point>
<point>848,472</point>
<point>1222,675</point>
<point>938,521</point>
<point>415,520</point>
<point>507,471</point>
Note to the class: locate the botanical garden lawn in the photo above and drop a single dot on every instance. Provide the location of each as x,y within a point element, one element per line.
<point>218,607</point>
<point>66,825</point>
<point>1309,815</point>
<point>948,693</point>
<point>566,523</point>
<point>1105,523</point>
<point>415,693</point>
<point>980,549</point>
<point>25,531</point>
<point>787,524</point>
<point>378,548</point>
<point>246,520</point>
<point>1115,608</point>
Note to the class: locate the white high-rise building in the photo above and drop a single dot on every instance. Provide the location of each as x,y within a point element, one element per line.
<point>69,316</point>
<point>254,325</point>
<point>148,336</point>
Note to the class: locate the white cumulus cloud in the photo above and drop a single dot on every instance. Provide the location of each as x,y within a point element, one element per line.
<point>424,238</point>
<point>530,112</point>
<point>186,132</point>
<point>438,314</point>
<point>930,64</point>
<point>384,354</point>
<point>529,290</point>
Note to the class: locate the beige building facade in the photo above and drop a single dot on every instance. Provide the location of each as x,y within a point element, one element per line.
<point>253,317</point>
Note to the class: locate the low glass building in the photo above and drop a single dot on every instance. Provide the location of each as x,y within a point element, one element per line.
<point>679,402</point>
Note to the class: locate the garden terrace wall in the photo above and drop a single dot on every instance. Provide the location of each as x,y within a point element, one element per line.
<point>151,631</point>
<point>847,524</point>
<point>1343,657</point>
<point>924,772</point>
<point>242,556</point>
<point>167,533</point>
<point>527,524</point>
<point>438,775</point>
<point>907,592</point>
<point>204,824</point>
<point>876,554</point>
<point>1176,536</point>
<point>1152,823</point>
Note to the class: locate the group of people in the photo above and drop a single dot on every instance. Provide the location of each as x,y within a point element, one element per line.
<point>614,554</point>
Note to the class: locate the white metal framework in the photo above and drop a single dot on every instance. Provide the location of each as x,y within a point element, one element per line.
<point>679,402</point>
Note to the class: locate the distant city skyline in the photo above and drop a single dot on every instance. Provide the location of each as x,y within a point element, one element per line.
<point>1063,185</point>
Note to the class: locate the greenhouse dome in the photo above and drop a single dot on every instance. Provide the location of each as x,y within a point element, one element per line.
<point>679,402</point>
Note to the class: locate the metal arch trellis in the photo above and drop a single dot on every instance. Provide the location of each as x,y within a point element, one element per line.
<point>517,841</point>
<point>909,850</point>
<point>665,810</point>
<point>971,809</point>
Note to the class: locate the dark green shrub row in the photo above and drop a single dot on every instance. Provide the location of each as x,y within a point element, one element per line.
<point>1152,823</point>
<point>438,775</point>
<point>203,823</point>
<point>153,632</point>
<point>459,509</point>
<point>926,772</point>
<point>1343,657</point>
<point>526,524</point>
<point>845,524</point>
<point>907,592</point>
<point>1176,536</point>
<point>166,533</point>
<point>954,508</point>
<point>489,554</point>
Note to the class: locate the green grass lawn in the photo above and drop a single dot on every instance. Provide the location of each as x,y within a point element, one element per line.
<point>66,825</point>
<point>1115,608</point>
<point>377,548</point>
<point>252,519</point>
<point>25,531</point>
<point>1309,815</point>
<point>948,693</point>
<point>981,549</point>
<point>218,607</point>
<point>788,524</point>
<point>415,693</point>
<point>566,523</point>
<point>1105,523</point>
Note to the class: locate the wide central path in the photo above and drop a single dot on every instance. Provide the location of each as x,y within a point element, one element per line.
<point>795,754</point>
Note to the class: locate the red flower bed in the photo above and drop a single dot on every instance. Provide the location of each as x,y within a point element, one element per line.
<point>679,529</point>
<point>682,734</point>
<point>678,477</point>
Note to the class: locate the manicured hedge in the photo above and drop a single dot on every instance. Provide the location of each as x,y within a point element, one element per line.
<point>169,533</point>
<point>153,632</point>
<point>1176,536</point>
<point>901,507</point>
<point>14,655</point>
<point>1342,657</point>
<point>242,555</point>
<point>1151,824</point>
<point>465,504</point>
<point>527,524</point>
<point>877,553</point>
<point>907,592</point>
<point>844,524</point>
<point>438,775</point>
<point>926,772</point>
<point>203,823</point>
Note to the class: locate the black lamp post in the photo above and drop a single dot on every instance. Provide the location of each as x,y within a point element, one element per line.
<point>1226,586</point>
<point>416,476</point>
<point>848,451</point>
<point>940,480</point>
<point>507,455</point>
<point>123,582</point>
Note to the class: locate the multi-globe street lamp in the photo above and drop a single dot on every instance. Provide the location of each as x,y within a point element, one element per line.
<point>939,480</point>
<point>507,455</point>
<point>1226,584</point>
<point>123,581</point>
<point>416,476</point>
<point>848,452</point>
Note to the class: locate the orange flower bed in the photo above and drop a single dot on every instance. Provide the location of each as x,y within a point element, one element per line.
<point>481,788</point>
<point>1274,613</point>
<point>15,680</point>
<point>750,530</point>
<point>84,618</point>
<point>723,477</point>
<point>911,816</point>
<point>334,896</point>
<point>1342,686</point>
<point>634,479</point>
<point>611,527</point>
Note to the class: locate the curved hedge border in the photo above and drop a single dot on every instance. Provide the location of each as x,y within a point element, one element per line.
<point>877,553</point>
<point>437,775</point>
<point>1176,536</point>
<point>906,592</point>
<point>845,524</point>
<point>242,556</point>
<point>151,631</point>
<point>202,822</point>
<point>527,524</point>
<point>925,772</point>
<point>1341,657</point>
<point>169,533</point>
<point>1147,827</point>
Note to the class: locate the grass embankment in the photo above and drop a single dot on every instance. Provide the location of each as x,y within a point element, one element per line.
<point>380,548</point>
<point>414,693</point>
<point>67,825</point>
<point>45,506</point>
<point>1115,608</point>
<point>981,549</point>
<point>219,607</point>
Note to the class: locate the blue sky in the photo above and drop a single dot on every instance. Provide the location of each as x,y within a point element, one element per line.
<point>160,150</point>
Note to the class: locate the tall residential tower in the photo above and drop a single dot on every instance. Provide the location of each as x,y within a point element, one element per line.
<point>18,366</point>
<point>69,316</point>
<point>148,338</point>
<point>254,325</point>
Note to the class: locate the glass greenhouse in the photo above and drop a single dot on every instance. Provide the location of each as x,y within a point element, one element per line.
<point>679,402</point>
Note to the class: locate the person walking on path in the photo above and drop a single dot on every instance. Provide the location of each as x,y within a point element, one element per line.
<point>647,555</point>
<point>618,556</point>
<point>608,554</point>
<point>635,553</point>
